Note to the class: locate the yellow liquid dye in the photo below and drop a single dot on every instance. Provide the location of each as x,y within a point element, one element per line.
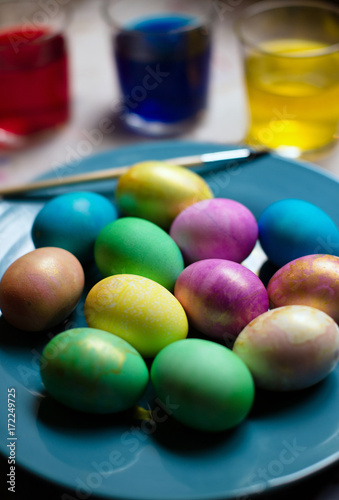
<point>293,96</point>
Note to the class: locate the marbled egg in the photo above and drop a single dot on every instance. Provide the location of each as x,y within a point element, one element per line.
<point>131,245</point>
<point>209,387</point>
<point>73,221</point>
<point>138,310</point>
<point>292,228</point>
<point>93,371</point>
<point>158,191</point>
<point>289,348</point>
<point>218,228</point>
<point>312,280</point>
<point>220,297</point>
<point>41,288</point>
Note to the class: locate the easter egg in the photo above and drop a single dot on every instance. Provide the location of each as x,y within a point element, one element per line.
<point>131,245</point>
<point>209,387</point>
<point>312,280</point>
<point>73,221</point>
<point>41,288</point>
<point>218,228</point>
<point>93,371</point>
<point>158,191</point>
<point>289,348</point>
<point>220,297</point>
<point>292,228</point>
<point>137,309</point>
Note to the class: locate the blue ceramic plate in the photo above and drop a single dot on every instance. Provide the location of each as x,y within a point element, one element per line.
<point>285,438</point>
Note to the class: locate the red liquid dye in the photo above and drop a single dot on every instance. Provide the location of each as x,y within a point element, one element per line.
<point>34,92</point>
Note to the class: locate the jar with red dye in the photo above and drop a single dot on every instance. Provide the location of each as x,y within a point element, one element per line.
<point>34,80</point>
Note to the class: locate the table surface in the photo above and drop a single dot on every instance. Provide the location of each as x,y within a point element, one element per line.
<point>94,97</point>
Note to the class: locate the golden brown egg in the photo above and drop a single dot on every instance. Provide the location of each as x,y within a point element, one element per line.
<point>41,288</point>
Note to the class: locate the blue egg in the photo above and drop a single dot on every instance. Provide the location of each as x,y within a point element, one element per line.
<point>292,228</point>
<point>73,221</point>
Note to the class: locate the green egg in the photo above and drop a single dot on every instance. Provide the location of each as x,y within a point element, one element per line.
<point>93,371</point>
<point>208,386</point>
<point>131,245</point>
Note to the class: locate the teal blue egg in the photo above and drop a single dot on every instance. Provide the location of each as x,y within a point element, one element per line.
<point>293,228</point>
<point>93,371</point>
<point>73,221</point>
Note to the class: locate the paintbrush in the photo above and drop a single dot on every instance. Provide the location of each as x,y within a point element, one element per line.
<point>228,159</point>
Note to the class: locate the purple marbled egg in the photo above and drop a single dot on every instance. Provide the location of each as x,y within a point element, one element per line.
<point>218,228</point>
<point>220,297</point>
<point>312,280</point>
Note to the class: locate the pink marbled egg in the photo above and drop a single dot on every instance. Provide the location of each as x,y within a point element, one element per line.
<point>289,348</point>
<point>220,297</point>
<point>218,228</point>
<point>312,280</point>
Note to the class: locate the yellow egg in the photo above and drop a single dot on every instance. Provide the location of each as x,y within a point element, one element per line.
<point>158,191</point>
<point>137,309</point>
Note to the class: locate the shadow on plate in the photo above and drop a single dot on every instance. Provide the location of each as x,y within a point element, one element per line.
<point>61,418</point>
<point>267,270</point>
<point>181,439</point>
<point>149,421</point>
<point>270,403</point>
<point>13,338</point>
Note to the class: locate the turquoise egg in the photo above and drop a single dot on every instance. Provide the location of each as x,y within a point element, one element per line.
<point>73,221</point>
<point>209,387</point>
<point>132,245</point>
<point>293,228</point>
<point>93,371</point>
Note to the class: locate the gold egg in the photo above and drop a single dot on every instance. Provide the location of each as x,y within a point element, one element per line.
<point>312,280</point>
<point>158,191</point>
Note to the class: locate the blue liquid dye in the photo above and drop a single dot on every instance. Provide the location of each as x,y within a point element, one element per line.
<point>162,24</point>
<point>163,68</point>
